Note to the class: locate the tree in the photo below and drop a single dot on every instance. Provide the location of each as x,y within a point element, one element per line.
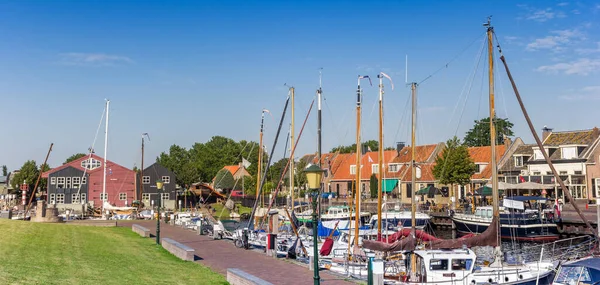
<point>224,180</point>
<point>372,145</point>
<point>479,135</point>
<point>29,173</point>
<point>74,157</point>
<point>276,170</point>
<point>299,175</point>
<point>4,170</point>
<point>454,166</point>
<point>373,185</point>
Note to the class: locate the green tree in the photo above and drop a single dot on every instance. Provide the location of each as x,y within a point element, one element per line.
<point>300,177</point>
<point>29,173</point>
<point>454,166</point>
<point>479,135</point>
<point>373,185</point>
<point>276,170</point>
<point>4,170</point>
<point>74,157</point>
<point>372,145</point>
<point>224,180</point>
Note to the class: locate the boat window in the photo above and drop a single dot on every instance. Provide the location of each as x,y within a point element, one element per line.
<point>461,264</point>
<point>345,210</point>
<point>345,238</point>
<point>438,264</point>
<point>478,212</point>
<point>567,274</point>
<point>489,213</point>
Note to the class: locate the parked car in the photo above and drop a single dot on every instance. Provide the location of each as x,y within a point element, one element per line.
<point>145,214</point>
<point>238,194</point>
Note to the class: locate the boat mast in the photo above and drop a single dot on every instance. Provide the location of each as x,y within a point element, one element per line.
<point>292,167</point>
<point>319,94</point>
<point>141,171</point>
<point>413,215</point>
<point>358,193</point>
<point>105,153</point>
<point>381,75</point>
<point>260,153</point>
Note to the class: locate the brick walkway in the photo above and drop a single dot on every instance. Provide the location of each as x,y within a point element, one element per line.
<point>222,254</point>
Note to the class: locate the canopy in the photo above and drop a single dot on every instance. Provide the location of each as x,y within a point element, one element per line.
<point>389,185</point>
<point>429,190</point>
<point>522,186</point>
<point>486,191</point>
<point>526,198</point>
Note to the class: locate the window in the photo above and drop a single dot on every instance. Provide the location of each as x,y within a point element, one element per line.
<point>479,168</point>
<point>518,161</point>
<point>145,196</point>
<point>145,179</point>
<point>60,182</point>
<point>60,198</point>
<point>569,152</point>
<point>394,167</point>
<point>52,198</point>
<point>408,190</point>
<point>562,173</point>
<point>91,163</point>
<point>164,196</point>
<point>103,197</point>
<point>536,173</point>
<point>166,179</point>
<point>83,198</point>
<point>83,180</point>
<point>352,169</point>
<point>578,172</point>
<point>74,198</point>
<point>438,264</point>
<point>461,264</point>
<point>375,168</point>
<point>537,154</point>
<point>68,183</point>
<point>52,180</point>
<point>76,182</point>
<point>123,196</point>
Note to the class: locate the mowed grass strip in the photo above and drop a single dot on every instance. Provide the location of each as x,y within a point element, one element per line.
<point>34,253</point>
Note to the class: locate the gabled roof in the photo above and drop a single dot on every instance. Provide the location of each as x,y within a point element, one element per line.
<point>423,153</point>
<point>77,164</point>
<point>525,150</point>
<point>426,173</point>
<point>232,168</point>
<point>582,137</point>
<point>483,155</point>
<point>343,162</point>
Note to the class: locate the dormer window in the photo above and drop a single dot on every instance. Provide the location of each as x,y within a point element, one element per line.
<point>479,168</point>
<point>91,163</point>
<point>375,168</point>
<point>537,154</point>
<point>394,167</point>
<point>569,152</point>
<point>518,161</point>
<point>352,169</point>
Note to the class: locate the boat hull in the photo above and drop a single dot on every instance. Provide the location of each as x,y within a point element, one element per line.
<point>526,232</point>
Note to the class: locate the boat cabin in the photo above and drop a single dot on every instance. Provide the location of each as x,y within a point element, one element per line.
<point>442,265</point>
<point>584,271</point>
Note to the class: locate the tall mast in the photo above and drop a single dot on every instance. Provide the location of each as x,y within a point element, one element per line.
<point>413,215</point>
<point>105,154</point>
<point>292,167</point>
<point>319,93</point>
<point>260,153</point>
<point>381,75</point>
<point>358,193</point>
<point>141,171</point>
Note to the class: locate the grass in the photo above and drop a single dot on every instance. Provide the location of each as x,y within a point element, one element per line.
<point>33,253</point>
<point>223,213</point>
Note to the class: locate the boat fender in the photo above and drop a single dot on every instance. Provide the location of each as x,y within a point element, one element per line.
<point>520,276</point>
<point>505,279</point>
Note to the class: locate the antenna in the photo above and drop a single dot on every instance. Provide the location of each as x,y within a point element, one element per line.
<point>488,23</point>
<point>320,77</point>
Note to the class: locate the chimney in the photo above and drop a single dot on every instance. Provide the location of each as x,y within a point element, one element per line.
<point>399,146</point>
<point>595,132</point>
<point>507,141</point>
<point>545,133</point>
<point>365,148</point>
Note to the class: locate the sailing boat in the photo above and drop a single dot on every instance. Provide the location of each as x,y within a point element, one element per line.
<point>452,261</point>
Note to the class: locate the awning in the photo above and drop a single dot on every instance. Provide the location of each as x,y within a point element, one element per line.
<point>389,185</point>
<point>486,191</point>
<point>522,186</point>
<point>429,190</point>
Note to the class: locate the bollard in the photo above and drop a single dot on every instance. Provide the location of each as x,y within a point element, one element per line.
<point>199,224</point>
<point>245,238</point>
<point>377,270</point>
<point>370,271</point>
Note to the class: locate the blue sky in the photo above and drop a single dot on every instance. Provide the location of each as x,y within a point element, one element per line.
<point>185,71</point>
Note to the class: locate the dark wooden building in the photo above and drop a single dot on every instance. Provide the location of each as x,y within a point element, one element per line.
<point>147,191</point>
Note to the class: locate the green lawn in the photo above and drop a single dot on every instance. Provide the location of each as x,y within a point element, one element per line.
<point>223,213</point>
<point>33,253</point>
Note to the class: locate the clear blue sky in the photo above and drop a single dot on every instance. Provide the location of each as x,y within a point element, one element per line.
<point>184,71</point>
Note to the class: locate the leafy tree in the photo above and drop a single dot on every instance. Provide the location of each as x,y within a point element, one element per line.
<point>4,170</point>
<point>276,170</point>
<point>250,186</point>
<point>373,185</point>
<point>224,180</point>
<point>454,166</point>
<point>29,173</point>
<point>479,135</point>
<point>74,157</point>
<point>299,176</point>
<point>373,145</point>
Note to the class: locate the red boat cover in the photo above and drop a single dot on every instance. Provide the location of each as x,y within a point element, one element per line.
<point>326,248</point>
<point>488,238</point>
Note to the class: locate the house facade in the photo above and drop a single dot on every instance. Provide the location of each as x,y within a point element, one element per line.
<point>82,182</point>
<point>150,195</point>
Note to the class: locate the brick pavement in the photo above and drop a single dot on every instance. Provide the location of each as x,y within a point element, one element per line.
<point>222,254</point>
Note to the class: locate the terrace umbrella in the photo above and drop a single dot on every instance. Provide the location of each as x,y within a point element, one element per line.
<point>486,191</point>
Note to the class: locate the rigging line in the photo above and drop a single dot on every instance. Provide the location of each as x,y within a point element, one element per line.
<point>402,116</point>
<point>91,152</point>
<point>334,127</point>
<point>451,60</point>
<point>467,85</point>
<point>469,89</point>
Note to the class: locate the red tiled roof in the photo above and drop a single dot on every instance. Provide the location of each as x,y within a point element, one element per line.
<point>483,155</point>
<point>77,164</point>
<point>367,160</point>
<point>232,168</point>
<point>426,173</point>
<point>422,153</point>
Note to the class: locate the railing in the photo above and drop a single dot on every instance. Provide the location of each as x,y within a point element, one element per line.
<point>564,249</point>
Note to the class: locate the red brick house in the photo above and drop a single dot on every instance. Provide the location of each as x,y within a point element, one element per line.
<point>81,181</point>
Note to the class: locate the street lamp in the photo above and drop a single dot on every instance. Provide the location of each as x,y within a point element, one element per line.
<point>159,187</point>
<point>313,176</point>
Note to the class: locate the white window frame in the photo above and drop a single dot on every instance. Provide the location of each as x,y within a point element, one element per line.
<point>352,169</point>
<point>518,161</point>
<point>164,196</point>
<point>145,196</point>
<point>60,198</point>
<point>60,181</point>
<point>52,198</point>
<point>145,179</point>
<point>123,196</point>
<point>393,167</point>
<point>76,182</point>
<point>104,197</point>
<point>91,163</point>
<point>375,168</point>
<point>52,180</point>
<point>68,183</point>
<point>166,179</point>
<point>83,180</point>
<point>83,198</point>
<point>74,198</point>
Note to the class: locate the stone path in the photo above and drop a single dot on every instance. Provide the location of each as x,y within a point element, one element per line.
<point>222,254</point>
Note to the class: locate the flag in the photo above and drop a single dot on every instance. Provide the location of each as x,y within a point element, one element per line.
<point>370,160</point>
<point>522,179</point>
<point>367,77</point>
<point>266,111</point>
<point>388,77</point>
<point>245,163</point>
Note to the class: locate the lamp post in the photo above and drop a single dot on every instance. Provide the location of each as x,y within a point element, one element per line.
<point>313,176</point>
<point>159,187</point>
